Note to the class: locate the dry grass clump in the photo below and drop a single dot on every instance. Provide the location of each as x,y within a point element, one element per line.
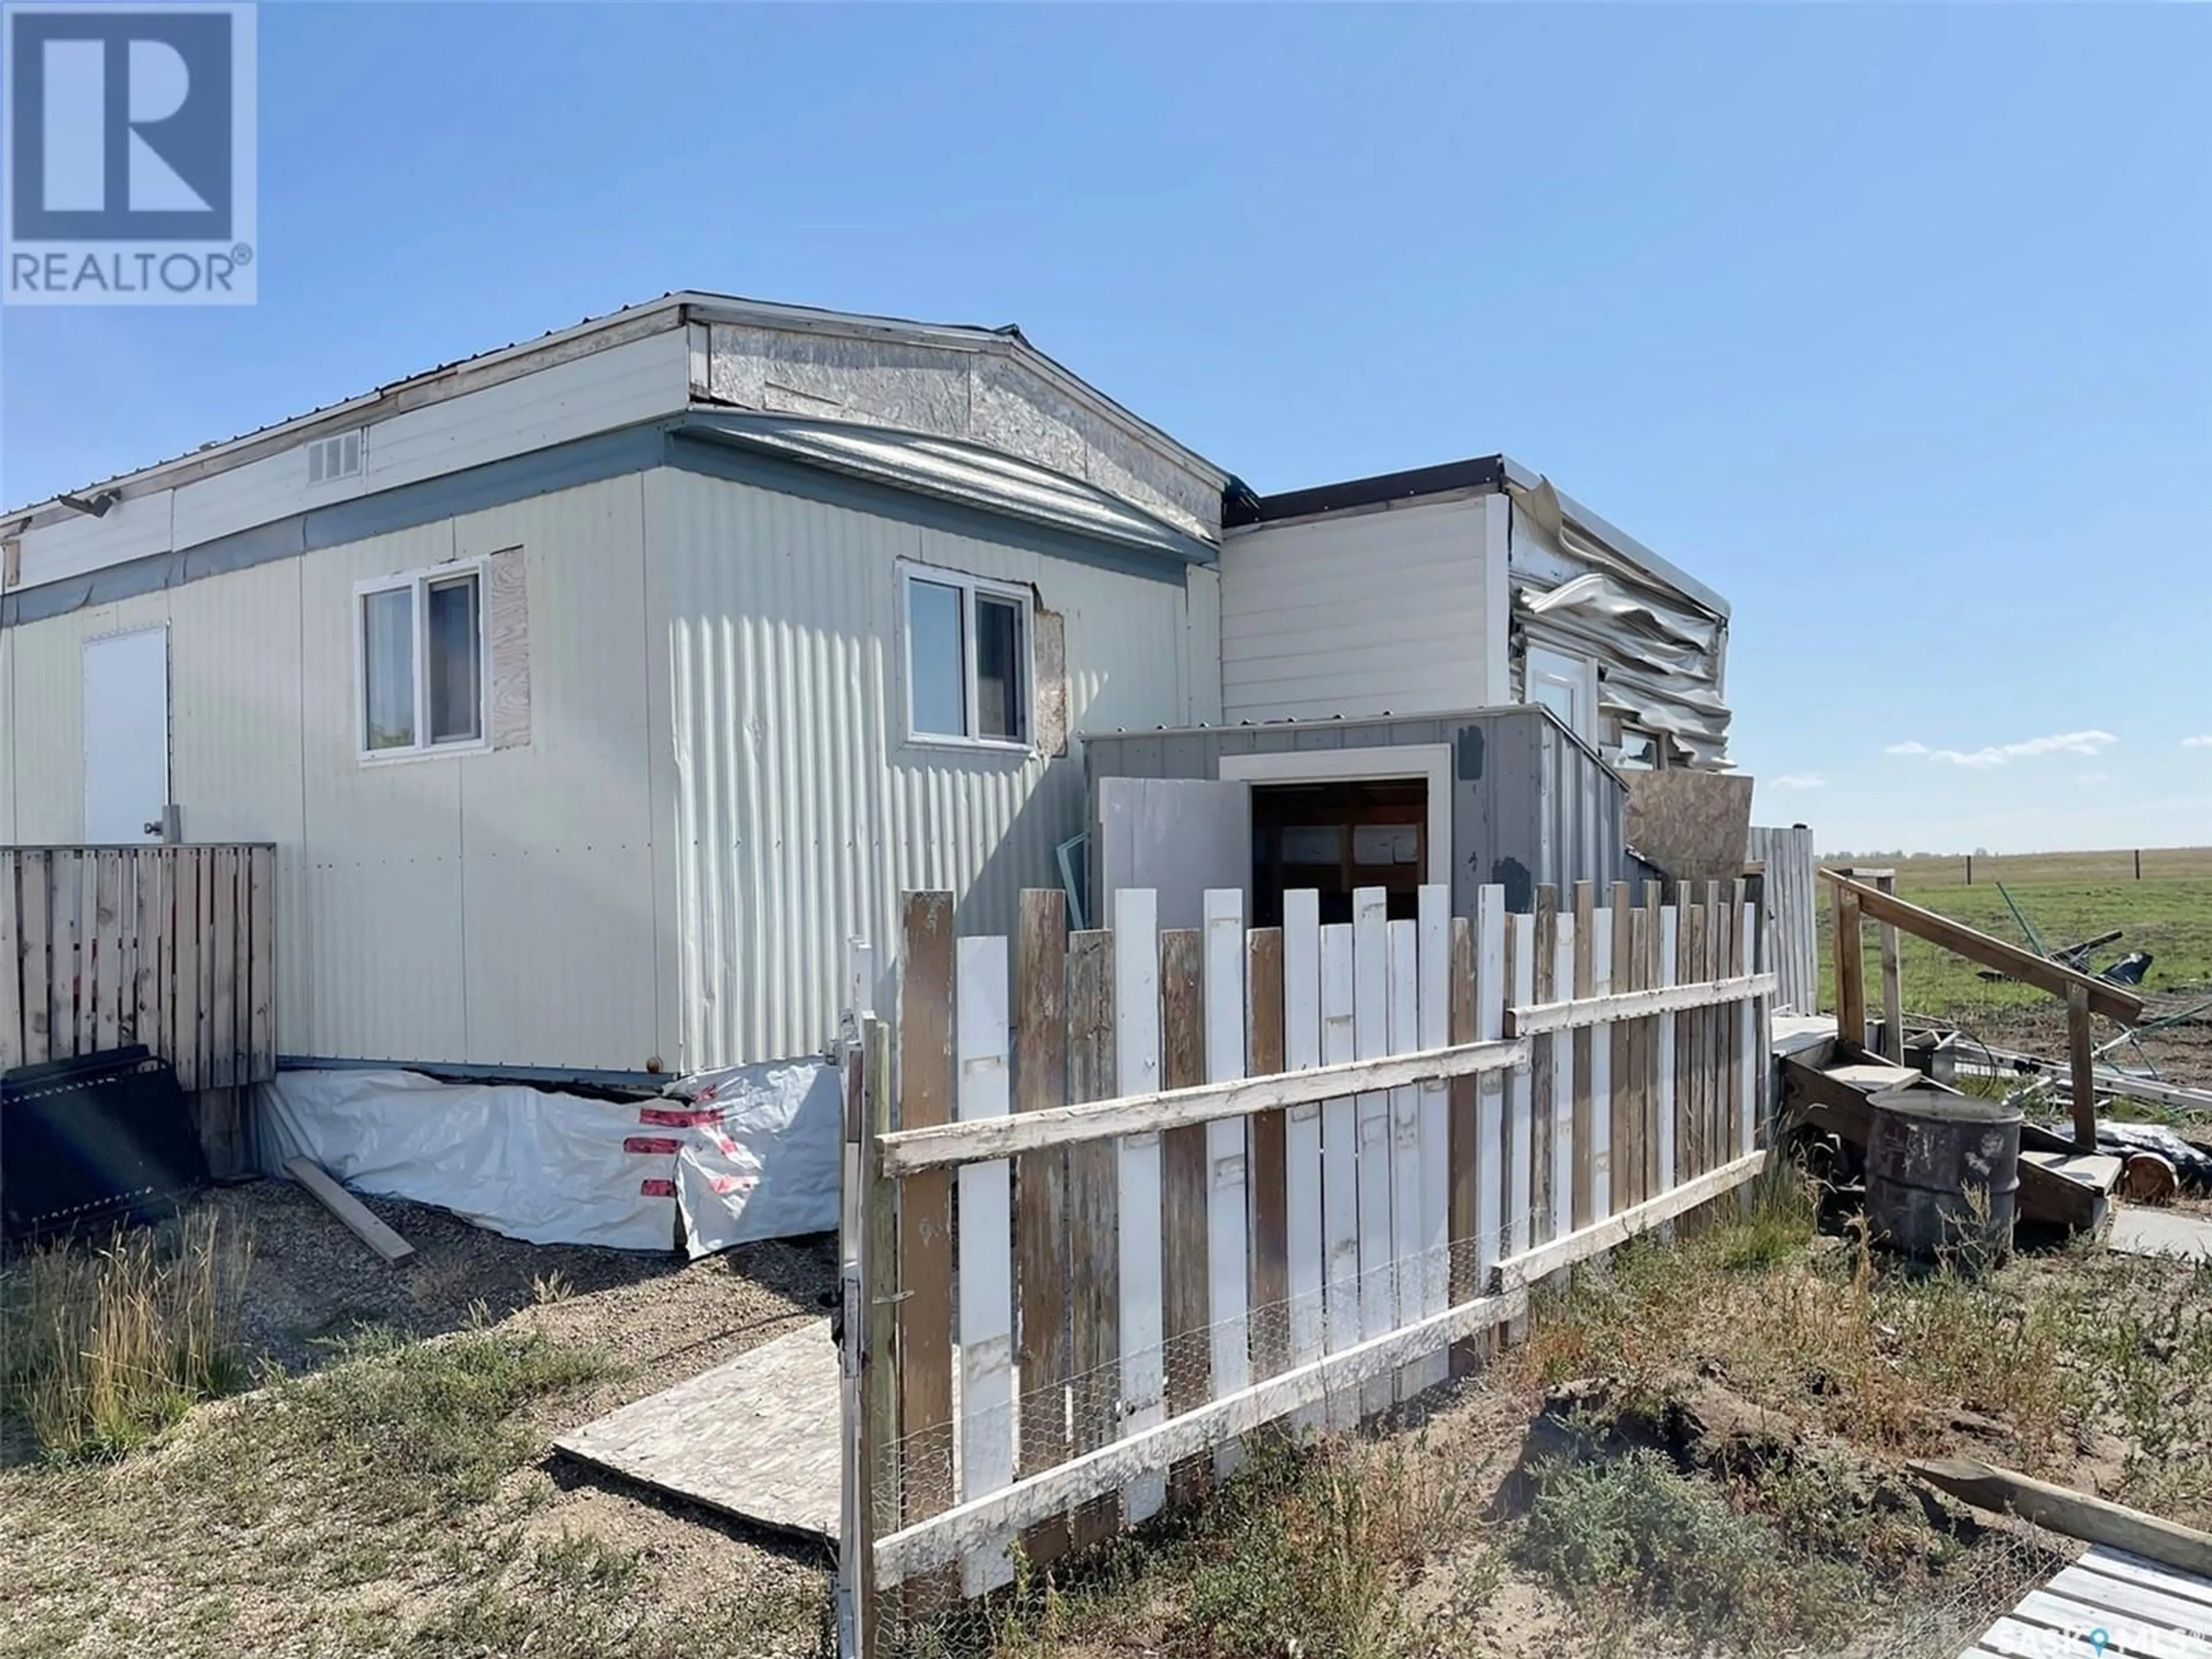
<point>106,1348</point>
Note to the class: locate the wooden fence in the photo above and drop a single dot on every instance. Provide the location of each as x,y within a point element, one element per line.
<point>1791,901</point>
<point>173,947</point>
<point>1208,1179</point>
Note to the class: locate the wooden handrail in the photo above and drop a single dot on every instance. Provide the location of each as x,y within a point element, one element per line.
<point>2103,996</point>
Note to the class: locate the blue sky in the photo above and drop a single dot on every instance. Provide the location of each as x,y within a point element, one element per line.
<point>1892,323</point>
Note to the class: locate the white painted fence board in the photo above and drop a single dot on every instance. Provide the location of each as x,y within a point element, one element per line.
<point>1601,924</point>
<point>1227,1224</point>
<point>1753,1057</point>
<point>939,1146</point>
<point>1302,1131</point>
<point>1340,1159</point>
<point>983,1090</point>
<point>1405,1138</point>
<point>1433,1030</point>
<point>1521,1103</point>
<point>1490,1188</point>
<point>1562,1086</point>
<point>1669,941</point>
<point>1137,1061</point>
<point>1371,1005</point>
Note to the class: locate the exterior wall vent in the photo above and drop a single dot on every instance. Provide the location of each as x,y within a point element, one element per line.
<point>336,457</point>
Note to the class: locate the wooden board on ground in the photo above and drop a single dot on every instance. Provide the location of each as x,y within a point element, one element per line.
<point>2141,1606</point>
<point>2138,1231</point>
<point>745,1439</point>
<point>348,1209</point>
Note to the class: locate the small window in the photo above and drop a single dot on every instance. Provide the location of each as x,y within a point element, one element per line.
<point>421,663</point>
<point>967,659</point>
<point>1639,751</point>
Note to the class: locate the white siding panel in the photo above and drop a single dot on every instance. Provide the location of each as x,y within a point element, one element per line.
<point>236,705</point>
<point>7,735</point>
<point>802,811</point>
<point>259,492</point>
<point>556,836</point>
<point>639,381</point>
<point>383,842</point>
<point>1361,614</point>
<point>127,529</point>
<point>45,748</point>
<point>607,389</point>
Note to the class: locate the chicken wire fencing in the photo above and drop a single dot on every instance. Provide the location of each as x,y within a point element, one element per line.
<point>1118,1200</point>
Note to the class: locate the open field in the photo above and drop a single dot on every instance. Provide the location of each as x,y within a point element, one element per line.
<point>1949,869</point>
<point>2170,917</point>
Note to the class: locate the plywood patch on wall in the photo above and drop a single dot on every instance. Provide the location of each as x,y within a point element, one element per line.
<point>507,625</point>
<point>1048,633</point>
<point>1694,826</point>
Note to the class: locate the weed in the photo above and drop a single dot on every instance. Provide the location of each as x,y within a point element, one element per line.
<point>108,1347</point>
<point>1633,1535</point>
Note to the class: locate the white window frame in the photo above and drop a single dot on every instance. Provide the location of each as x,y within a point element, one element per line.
<point>969,587</point>
<point>420,581</point>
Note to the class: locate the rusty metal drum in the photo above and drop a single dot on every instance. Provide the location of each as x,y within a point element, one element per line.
<point>1942,1175</point>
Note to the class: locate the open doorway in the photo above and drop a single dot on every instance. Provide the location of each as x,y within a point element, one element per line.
<point>1339,819</point>
<point>1337,836</point>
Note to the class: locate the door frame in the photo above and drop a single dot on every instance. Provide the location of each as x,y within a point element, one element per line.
<point>1431,762</point>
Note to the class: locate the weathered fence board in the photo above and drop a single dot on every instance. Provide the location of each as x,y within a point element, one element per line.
<point>171,947</point>
<point>1295,1173</point>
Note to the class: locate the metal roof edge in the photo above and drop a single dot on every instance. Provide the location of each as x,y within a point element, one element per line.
<point>746,429</point>
<point>1341,722</point>
<point>1619,541</point>
<point>1378,489</point>
<point>631,323</point>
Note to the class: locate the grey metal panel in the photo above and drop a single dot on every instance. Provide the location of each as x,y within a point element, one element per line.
<point>1530,803</point>
<point>1178,837</point>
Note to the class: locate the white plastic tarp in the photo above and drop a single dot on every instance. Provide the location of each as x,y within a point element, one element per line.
<point>747,1155</point>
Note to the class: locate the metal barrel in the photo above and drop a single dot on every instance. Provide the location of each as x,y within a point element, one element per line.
<point>1943,1175</point>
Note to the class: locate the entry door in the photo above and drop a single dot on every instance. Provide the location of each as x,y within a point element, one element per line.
<point>1567,685</point>
<point>127,735</point>
<point>1177,835</point>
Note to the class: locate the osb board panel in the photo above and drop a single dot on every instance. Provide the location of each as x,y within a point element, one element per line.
<point>755,1438</point>
<point>1694,826</point>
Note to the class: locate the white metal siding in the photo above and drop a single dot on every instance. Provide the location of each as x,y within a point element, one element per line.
<point>639,381</point>
<point>1366,613</point>
<point>801,811</point>
<point>482,909</point>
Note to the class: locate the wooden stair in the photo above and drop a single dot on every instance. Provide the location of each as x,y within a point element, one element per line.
<point>2058,1186</point>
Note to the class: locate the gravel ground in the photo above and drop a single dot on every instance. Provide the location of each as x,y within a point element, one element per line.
<point>664,1319</point>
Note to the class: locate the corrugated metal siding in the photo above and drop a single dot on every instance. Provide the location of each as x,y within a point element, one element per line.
<point>1359,614</point>
<point>480,909</point>
<point>800,809</point>
<point>1530,805</point>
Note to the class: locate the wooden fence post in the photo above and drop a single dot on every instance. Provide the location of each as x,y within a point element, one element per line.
<point>1851,973</point>
<point>1892,986</point>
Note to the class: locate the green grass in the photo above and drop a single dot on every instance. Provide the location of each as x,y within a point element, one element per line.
<point>2171,919</point>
